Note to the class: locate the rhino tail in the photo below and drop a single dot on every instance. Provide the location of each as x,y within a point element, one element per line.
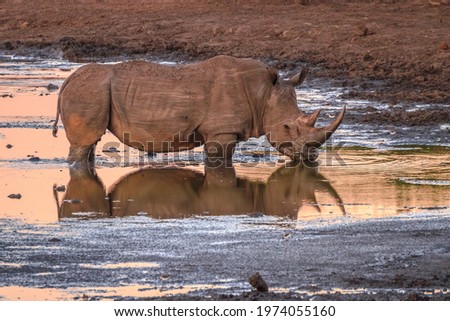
<point>58,107</point>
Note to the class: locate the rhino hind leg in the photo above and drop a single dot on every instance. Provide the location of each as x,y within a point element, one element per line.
<point>81,156</point>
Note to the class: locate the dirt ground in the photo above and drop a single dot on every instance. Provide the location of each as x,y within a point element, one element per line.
<point>394,51</point>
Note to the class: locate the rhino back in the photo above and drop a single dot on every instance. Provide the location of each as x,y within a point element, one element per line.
<point>155,102</point>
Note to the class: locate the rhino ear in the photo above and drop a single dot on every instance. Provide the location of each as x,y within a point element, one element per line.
<point>273,75</point>
<point>299,78</point>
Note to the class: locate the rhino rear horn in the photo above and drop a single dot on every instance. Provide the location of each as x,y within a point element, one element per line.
<point>308,121</point>
<point>299,78</point>
<point>318,136</point>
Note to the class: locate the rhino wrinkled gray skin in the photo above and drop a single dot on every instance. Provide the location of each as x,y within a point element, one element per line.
<point>160,108</point>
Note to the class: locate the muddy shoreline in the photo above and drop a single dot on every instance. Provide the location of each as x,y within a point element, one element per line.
<point>396,52</point>
<point>385,259</point>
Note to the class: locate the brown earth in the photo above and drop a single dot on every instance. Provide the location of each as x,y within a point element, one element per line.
<point>393,51</point>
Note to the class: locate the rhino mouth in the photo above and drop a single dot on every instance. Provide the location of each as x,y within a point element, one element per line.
<point>287,149</point>
<point>306,153</point>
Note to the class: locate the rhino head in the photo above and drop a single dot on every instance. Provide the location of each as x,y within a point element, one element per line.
<point>288,129</point>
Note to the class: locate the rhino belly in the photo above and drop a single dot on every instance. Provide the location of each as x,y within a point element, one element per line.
<point>170,134</point>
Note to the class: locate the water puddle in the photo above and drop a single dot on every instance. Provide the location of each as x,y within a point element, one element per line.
<point>371,184</point>
<point>123,265</point>
<point>16,293</point>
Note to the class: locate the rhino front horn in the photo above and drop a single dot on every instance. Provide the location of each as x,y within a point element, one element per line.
<point>319,136</point>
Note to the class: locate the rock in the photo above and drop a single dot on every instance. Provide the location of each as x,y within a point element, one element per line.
<point>443,46</point>
<point>7,96</point>
<point>258,282</point>
<point>60,188</point>
<point>111,149</point>
<point>9,146</point>
<point>55,239</point>
<point>52,87</point>
<point>34,159</point>
<point>15,196</point>
<point>366,31</point>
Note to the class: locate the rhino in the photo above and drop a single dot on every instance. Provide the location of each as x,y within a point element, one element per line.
<point>161,108</point>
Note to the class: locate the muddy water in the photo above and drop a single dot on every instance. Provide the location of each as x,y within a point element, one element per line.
<point>61,227</point>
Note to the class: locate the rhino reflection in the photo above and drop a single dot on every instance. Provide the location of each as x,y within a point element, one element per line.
<point>177,193</point>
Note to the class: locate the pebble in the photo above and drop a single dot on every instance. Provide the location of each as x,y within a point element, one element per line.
<point>111,149</point>
<point>52,87</point>
<point>60,188</point>
<point>16,196</point>
<point>258,282</point>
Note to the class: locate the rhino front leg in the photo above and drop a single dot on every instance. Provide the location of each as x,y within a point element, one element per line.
<point>219,150</point>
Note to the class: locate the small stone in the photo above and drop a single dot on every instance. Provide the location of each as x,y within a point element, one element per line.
<point>55,239</point>
<point>412,296</point>
<point>443,46</point>
<point>34,159</point>
<point>9,146</point>
<point>60,188</point>
<point>258,282</point>
<point>15,196</point>
<point>111,149</point>
<point>52,87</point>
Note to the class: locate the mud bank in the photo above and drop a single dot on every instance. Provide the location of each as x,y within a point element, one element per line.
<point>391,52</point>
<point>140,258</point>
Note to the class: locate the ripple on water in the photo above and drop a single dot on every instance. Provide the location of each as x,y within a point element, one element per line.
<point>415,181</point>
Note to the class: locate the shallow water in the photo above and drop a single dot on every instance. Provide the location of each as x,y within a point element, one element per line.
<point>52,239</point>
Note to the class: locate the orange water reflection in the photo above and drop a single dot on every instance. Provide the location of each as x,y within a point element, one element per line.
<point>367,188</point>
<point>18,293</point>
